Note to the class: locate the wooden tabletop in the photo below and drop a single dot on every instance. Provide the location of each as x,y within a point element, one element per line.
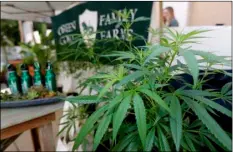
<point>14,116</point>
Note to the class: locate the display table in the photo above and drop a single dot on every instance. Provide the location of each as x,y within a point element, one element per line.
<point>38,119</point>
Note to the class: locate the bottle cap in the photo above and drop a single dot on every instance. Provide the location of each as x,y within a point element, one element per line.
<point>48,66</point>
<point>36,65</point>
<point>10,67</point>
<point>24,67</point>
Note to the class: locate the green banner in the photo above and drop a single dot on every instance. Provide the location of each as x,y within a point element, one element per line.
<point>96,17</point>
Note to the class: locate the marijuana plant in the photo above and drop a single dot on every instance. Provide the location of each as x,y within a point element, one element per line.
<point>144,111</point>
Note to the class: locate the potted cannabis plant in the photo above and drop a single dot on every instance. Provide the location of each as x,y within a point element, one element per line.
<point>166,118</point>
<point>143,110</point>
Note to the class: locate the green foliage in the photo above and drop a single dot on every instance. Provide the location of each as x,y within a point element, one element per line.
<point>120,114</point>
<point>102,128</point>
<point>89,125</point>
<point>143,111</point>
<point>140,114</point>
<point>73,114</point>
<point>210,123</point>
<point>163,143</point>
<point>192,65</point>
<point>9,33</point>
<point>32,95</point>
<point>41,52</point>
<point>34,92</point>
<point>150,140</point>
<point>84,99</point>
<point>176,121</point>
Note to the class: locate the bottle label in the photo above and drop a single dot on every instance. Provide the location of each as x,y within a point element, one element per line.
<point>49,85</point>
<point>37,78</point>
<point>25,81</point>
<point>25,86</point>
<point>50,81</point>
<point>12,82</point>
<point>13,87</point>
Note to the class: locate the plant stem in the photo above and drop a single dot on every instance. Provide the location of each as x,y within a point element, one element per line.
<point>173,57</point>
<point>170,63</point>
<point>105,147</point>
<point>193,131</point>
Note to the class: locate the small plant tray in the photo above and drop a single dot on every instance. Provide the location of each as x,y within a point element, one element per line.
<point>29,103</point>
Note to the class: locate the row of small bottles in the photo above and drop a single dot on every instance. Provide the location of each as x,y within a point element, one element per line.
<point>21,84</point>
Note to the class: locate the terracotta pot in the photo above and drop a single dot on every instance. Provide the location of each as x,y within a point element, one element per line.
<point>31,70</point>
<point>43,71</point>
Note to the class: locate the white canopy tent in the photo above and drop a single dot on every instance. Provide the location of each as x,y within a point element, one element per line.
<point>40,11</point>
<point>32,11</point>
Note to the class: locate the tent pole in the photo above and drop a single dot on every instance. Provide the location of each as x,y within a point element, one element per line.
<point>160,20</point>
<point>21,34</point>
<point>161,14</point>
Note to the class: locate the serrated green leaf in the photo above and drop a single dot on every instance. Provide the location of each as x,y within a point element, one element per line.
<point>214,105</point>
<point>141,18</point>
<point>189,143</point>
<point>168,99</point>
<point>150,140</point>
<point>63,129</point>
<point>163,143</point>
<point>171,33</point>
<point>196,123</point>
<point>95,87</point>
<point>209,144</point>
<point>229,93</point>
<point>156,142</point>
<point>209,122</point>
<point>194,138</point>
<point>126,128</point>
<point>192,35</point>
<point>85,99</point>
<point>140,114</point>
<point>130,77</point>
<point>176,121</point>
<point>156,51</point>
<point>106,87</point>
<point>213,139</point>
<point>194,93</point>
<point>121,55</point>
<point>114,102</point>
<point>226,88</point>
<point>88,126</point>
<point>165,127</point>
<point>210,57</point>
<point>133,146</point>
<point>124,142</point>
<point>103,126</point>
<point>159,85</point>
<point>133,66</point>
<point>120,114</point>
<point>192,64</point>
<point>184,145</point>
<point>227,73</point>
<point>100,76</point>
<point>156,98</point>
